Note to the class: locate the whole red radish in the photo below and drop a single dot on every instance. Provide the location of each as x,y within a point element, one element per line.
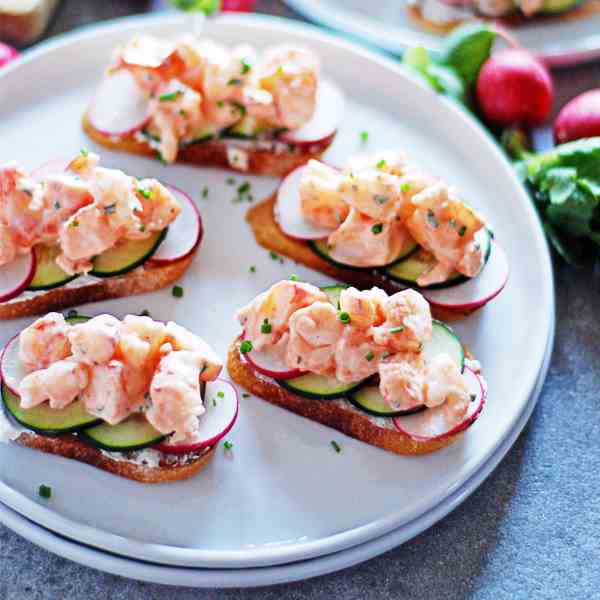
<point>580,118</point>
<point>238,5</point>
<point>514,87</point>
<point>7,54</point>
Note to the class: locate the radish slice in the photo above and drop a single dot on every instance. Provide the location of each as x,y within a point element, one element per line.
<point>16,276</point>
<point>436,423</point>
<point>329,111</point>
<point>477,291</point>
<point>222,403</point>
<point>12,370</point>
<point>120,107</point>
<point>184,234</point>
<point>288,210</point>
<point>50,167</point>
<point>270,364</point>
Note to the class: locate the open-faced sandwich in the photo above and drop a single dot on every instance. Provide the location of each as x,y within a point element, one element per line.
<point>443,15</point>
<point>196,101</point>
<point>373,366</point>
<point>74,232</point>
<point>382,221</point>
<point>136,397</point>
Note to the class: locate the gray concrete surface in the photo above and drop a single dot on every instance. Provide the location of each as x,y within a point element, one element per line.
<point>531,531</point>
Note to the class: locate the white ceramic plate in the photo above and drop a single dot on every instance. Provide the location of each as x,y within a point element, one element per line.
<point>283,494</point>
<point>267,575</point>
<point>388,25</point>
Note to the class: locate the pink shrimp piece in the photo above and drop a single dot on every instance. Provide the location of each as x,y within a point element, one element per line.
<point>45,341</point>
<point>94,342</point>
<point>357,356</point>
<point>402,381</point>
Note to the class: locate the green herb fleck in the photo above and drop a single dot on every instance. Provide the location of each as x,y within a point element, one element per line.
<point>74,223</point>
<point>239,106</point>
<point>110,209</point>
<point>381,164</point>
<point>370,356</point>
<point>235,81</point>
<point>145,313</point>
<point>245,395</point>
<point>227,445</point>
<point>246,66</point>
<point>142,227</point>
<point>230,181</point>
<point>244,188</point>
<point>145,193</point>
<point>45,491</point>
<point>205,192</point>
<point>293,277</point>
<point>397,329</point>
<point>57,205</point>
<point>214,402</point>
<point>364,136</point>
<point>177,291</point>
<point>169,97</point>
<point>335,446</point>
<point>405,186</point>
<point>266,327</point>
<point>245,346</point>
<point>381,199</point>
<point>377,228</point>
<point>72,314</point>
<point>384,355</point>
<point>462,231</point>
<point>252,269</point>
<point>84,152</point>
<point>221,394</point>
<point>220,103</point>
<point>473,397</point>
<point>344,317</point>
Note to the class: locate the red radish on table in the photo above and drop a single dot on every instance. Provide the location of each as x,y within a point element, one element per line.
<point>7,54</point>
<point>580,118</point>
<point>238,5</point>
<point>514,87</point>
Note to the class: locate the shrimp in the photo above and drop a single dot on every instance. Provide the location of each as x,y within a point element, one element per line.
<point>44,342</point>
<point>407,324</point>
<point>175,394</point>
<point>8,246</point>
<point>364,242</point>
<point>314,333</point>
<point>290,75</point>
<point>319,195</point>
<point>159,207</point>
<point>445,226</point>
<point>95,341</point>
<point>402,381</point>
<point>60,384</point>
<point>357,356</point>
<point>266,318</point>
<point>365,309</point>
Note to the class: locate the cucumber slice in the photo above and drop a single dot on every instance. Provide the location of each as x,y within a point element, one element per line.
<point>408,270</point>
<point>318,387</point>
<point>369,400</point>
<point>444,341</point>
<point>321,248</point>
<point>334,292</point>
<point>126,256</point>
<point>133,434</point>
<point>247,128</point>
<point>48,421</point>
<point>48,274</point>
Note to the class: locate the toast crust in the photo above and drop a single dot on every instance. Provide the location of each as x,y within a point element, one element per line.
<point>147,279</point>
<point>345,419</point>
<point>68,446</point>
<point>214,153</point>
<point>270,236</point>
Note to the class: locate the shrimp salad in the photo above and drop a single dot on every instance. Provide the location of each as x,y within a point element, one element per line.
<point>360,336</point>
<point>197,89</point>
<point>117,369</point>
<point>380,208</point>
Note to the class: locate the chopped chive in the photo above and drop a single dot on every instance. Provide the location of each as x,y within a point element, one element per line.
<point>397,329</point>
<point>214,402</point>
<point>405,186</point>
<point>380,199</point>
<point>377,228</point>
<point>142,227</point>
<point>462,231</point>
<point>381,164</point>
<point>227,445</point>
<point>221,394</point>
<point>245,395</point>
<point>335,446</point>
<point>57,205</point>
<point>364,136</point>
<point>205,192</point>
<point>293,277</point>
<point>473,397</point>
<point>246,66</point>
<point>110,209</point>
<point>84,152</point>
<point>252,269</point>
<point>230,181</point>
<point>244,188</point>
<point>385,354</point>
<point>169,97</point>
<point>245,346</point>
<point>344,317</point>
<point>45,491</point>
<point>239,106</point>
<point>235,81</point>
<point>273,255</point>
<point>145,313</point>
<point>145,193</point>
<point>220,103</point>
<point>177,291</point>
<point>266,327</point>
<point>72,314</point>
<point>370,356</point>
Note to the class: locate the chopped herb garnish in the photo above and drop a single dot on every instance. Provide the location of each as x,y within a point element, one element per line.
<point>245,395</point>
<point>110,209</point>
<point>72,314</point>
<point>182,112</point>
<point>214,402</point>
<point>57,205</point>
<point>405,186</point>
<point>142,227</point>
<point>462,231</point>
<point>335,446</point>
<point>239,106</point>
<point>384,355</point>
<point>145,313</point>
<point>364,136</point>
<point>234,81</point>
<point>266,327</point>
<point>344,317</point>
<point>453,223</point>
<point>377,228</point>
<point>145,193</point>
<point>397,329</point>
<point>177,291</point>
<point>74,223</point>
<point>45,491</point>
<point>205,192</point>
<point>227,445</point>
<point>220,103</point>
<point>246,66</point>
<point>221,394</point>
<point>169,97</point>
<point>84,152</point>
<point>369,356</point>
<point>381,199</point>
<point>381,164</point>
<point>273,255</point>
<point>252,269</point>
<point>293,277</point>
<point>245,346</point>
<point>244,188</point>
<point>230,181</point>
<point>473,397</point>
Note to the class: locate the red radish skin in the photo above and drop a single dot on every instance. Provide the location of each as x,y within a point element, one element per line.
<point>238,5</point>
<point>7,54</point>
<point>514,87</point>
<point>280,374</point>
<point>580,118</point>
<point>16,276</point>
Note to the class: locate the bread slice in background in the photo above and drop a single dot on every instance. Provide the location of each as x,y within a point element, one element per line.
<point>24,21</point>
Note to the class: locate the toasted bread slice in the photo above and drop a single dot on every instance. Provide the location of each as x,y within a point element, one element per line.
<point>170,468</point>
<point>146,278</point>
<point>270,236</point>
<point>275,159</point>
<point>338,414</point>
